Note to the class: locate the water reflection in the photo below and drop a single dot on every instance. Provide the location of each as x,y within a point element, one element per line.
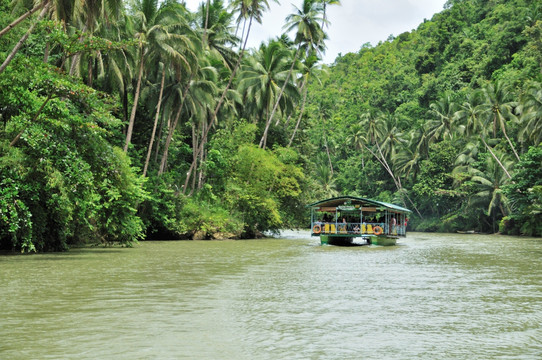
<point>433,296</point>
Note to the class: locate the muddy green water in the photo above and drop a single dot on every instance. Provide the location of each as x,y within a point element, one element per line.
<point>430,297</point>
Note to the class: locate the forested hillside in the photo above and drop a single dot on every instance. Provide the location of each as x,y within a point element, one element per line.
<point>445,119</point>
<point>138,120</point>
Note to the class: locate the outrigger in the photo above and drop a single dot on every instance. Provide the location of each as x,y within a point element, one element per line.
<point>340,220</point>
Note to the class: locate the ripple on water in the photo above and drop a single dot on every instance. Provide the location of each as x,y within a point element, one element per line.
<point>433,296</point>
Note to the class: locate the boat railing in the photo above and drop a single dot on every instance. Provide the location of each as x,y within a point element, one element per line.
<point>357,229</point>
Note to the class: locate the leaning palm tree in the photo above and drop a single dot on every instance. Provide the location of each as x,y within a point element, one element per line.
<point>498,106</point>
<point>409,158</point>
<point>471,115</point>
<point>309,71</point>
<point>218,38</point>
<point>324,178</point>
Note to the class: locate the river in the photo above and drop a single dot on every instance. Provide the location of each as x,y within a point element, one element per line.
<point>433,296</point>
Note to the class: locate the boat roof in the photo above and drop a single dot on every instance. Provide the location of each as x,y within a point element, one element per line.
<point>353,200</point>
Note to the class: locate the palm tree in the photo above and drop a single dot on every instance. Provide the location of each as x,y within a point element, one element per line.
<point>392,137</point>
<point>263,76</point>
<point>471,114</point>
<point>409,158</point>
<point>216,21</point>
<point>498,106</point>
<point>253,10</point>
<point>309,37</point>
<point>325,4</point>
<point>324,178</point>
<point>490,183</point>
<point>443,112</point>
<point>154,34</point>
<point>309,70</point>
<point>116,67</point>
<point>85,16</point>
<point>530,110</point>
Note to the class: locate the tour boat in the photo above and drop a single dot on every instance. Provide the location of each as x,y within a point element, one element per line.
<point>350,220</point>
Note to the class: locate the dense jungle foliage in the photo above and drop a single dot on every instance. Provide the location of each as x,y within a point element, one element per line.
<point>129,120</point>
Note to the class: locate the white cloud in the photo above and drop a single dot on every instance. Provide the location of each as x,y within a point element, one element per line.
<point>353,24</point>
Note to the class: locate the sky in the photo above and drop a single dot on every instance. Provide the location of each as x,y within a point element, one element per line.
<point>352,24</point>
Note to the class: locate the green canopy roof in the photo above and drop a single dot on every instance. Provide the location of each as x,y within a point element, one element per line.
<point>352,200</point>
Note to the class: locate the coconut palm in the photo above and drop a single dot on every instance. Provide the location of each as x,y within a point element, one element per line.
<point>84,15</point>
<point>324,178</point>
<point>325,4</point>
<point>218,35</point>
<point>251,10</point>
<point>498,106</point>
<point>471,115</point>
<point>489,187</point>
<point>530,110</point>
<point>310,70</point>
<point>156,25</point>
<point>309,37</point>
<point>442,112</point>
<point>409,158</point>
<point>262,78</point>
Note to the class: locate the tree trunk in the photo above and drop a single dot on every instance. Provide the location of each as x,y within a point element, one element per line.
<point>157,151</point>
<point>22,40</point>
<point>172,130</point>
<point>300,114</point>
<point>136,99</point>
<point>509,142</point>
<point>263,141</point>
<point>22,17</point>
<point>163,161</point>
<point>204,38</point>
<point>496,159</point>
<point>76,57</point>
<point>149,151</point>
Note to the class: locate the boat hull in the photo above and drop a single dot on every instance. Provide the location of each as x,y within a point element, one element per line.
<point>349,241</point>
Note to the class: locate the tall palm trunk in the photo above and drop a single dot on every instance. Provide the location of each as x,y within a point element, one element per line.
<point>136,99</point>
<point>149,150</point>
<point>172,128</point>
<point>305,91</point>
<point>22,17</point>
<point>263,141</point>
<point>496,159</point>
<point>204,38</point>
<point>218,106</point>
<point>22,40</point>
<point>509,142</point>
<point>77,57</point>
